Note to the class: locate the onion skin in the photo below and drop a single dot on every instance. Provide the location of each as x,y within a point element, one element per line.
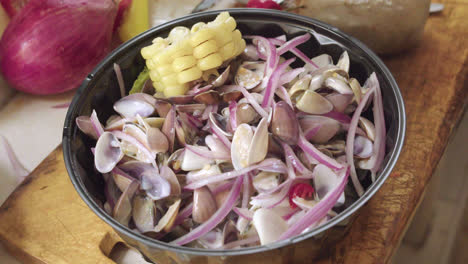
<point>51,45</point>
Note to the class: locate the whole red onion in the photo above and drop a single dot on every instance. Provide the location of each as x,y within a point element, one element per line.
<point>51,45</point>
<point>268,4</point>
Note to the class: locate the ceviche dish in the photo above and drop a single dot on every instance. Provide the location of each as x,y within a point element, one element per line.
<point>228,140</point>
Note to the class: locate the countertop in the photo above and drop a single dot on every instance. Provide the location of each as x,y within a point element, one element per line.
<point>33,128</point>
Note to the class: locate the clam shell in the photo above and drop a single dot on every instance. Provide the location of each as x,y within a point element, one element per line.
<point>107,152</point>
<point>144,213</point>
<point>204,205</point>
<point>313,103</point>
<point>123,209</point>
<point>269,225</point>
<point>258,148</point>
<point>240,146</point>
<point>167,221</point>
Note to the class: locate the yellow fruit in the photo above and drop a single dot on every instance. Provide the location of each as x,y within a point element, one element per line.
<point>135,20</point>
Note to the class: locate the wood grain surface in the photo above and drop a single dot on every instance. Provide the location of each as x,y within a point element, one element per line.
<point>44,220</point>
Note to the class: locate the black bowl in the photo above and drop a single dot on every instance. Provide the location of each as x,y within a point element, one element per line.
<point>100,90</point>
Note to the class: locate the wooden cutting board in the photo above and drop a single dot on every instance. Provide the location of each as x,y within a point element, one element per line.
<point>45,221</point>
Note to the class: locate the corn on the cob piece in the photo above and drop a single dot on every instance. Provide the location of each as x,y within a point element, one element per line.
<point>188,54</point>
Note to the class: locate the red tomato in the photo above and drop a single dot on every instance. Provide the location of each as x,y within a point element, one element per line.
<point>303,190</point>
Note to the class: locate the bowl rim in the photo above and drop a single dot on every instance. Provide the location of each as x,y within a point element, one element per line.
<point>372,189</point>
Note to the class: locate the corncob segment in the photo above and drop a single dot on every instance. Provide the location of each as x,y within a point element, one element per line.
<point>190,54</point>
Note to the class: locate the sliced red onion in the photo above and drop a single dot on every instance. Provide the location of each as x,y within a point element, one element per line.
<point>150,156</point>
<point>20,170</point>
<point>266,193</point>
<point>291,172</point>
<point>183,214</point>
<point>295,161</point>
<point>379,120</point>
<point>233,114</point>
<point>320,210</point>
<point>116,170</point>
<point>86,126</point>
<point>272,57</point>
<point>220,134</point>
<point>243,212</point>
<point>217,146</point>
<point>292,43</point>
<point>222,187</point>
<point>96,124</point>
<point>342,118</point>
<point>118,74</point>
<point>359,130</point>
<point>288,76</point>
<point>350,140</point>
<point>272,200</point>
<point>206,113</point>
<point>308,148</point>
<point>205,153</point>
<point>252,101</point>
<point>270,164</point>
<point>283,94</point>
<point>310,133</point>
<point>245,191</point>
<point>296,52</point>
<point>190,120</point>
<point>273,83</point>
<point>216,218</point>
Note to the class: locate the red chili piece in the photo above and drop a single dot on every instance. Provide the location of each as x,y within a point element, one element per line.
<point>268,4</point>
<point>303,190</point>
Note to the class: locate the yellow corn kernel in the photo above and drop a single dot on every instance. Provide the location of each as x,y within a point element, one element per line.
<point>164,69</point>
<point>228,51</point>
<point>150,64</point>
<point>223,16</point>
<point>183,63</point>
<point>160,41</point>
<point>205,49</point>
<point>212,61</point>
<point>182,48</point>
<point>207,74</point>
<point>240,47</point>
<point>197,27</point>
<point>154,75</point>
<point>170,80</point>
<point>149,51</point>
<point>158,86</point>
<point>230,24</point>
<point>176,90</point>
<point>189,75</point>
<point>178,33</point>
<point>236,35</point>
<point>163,57</point>
<point>201,36</point>
<point>223,36</point>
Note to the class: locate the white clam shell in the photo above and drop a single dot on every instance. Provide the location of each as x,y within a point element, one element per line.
<point>269,225</point>
<point>107,153</point>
